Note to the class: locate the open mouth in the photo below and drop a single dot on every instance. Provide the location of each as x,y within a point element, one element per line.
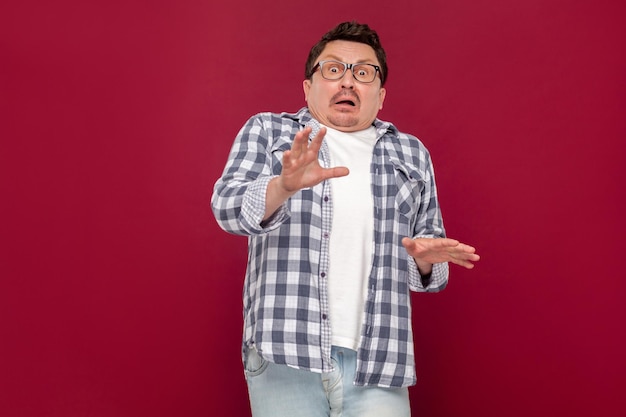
<point>346,102</point>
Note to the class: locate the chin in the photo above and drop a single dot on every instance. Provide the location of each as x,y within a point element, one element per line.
<point>344,121</point>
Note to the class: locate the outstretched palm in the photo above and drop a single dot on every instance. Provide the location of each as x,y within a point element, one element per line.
<point>432,251</point>
<point>301,168</point>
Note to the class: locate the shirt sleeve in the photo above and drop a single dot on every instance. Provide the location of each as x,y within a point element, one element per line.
<point>436,282</point>
<point>253,208</point>
<point>238,200</point>
<point>429,224</point>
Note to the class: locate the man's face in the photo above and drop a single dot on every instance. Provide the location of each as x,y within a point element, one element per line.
<point>345,104</point>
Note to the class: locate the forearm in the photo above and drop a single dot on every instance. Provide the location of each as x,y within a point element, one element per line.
<point>275,197</point>
<point>435,281</point>
<point>239,207</point>
<point>423,267</point>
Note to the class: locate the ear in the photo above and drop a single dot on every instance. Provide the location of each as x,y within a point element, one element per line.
<point>306,86</point>
<point>381,97</point>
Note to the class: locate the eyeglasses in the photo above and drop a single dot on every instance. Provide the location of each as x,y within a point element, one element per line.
<point>334,70</point>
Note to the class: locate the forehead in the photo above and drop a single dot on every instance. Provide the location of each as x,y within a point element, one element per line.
<point>350,52</point>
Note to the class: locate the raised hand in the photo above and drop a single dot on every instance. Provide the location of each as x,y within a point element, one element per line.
<point>301,169</point>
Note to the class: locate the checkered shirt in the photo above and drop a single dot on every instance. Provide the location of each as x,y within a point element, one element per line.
<point>286,312</point>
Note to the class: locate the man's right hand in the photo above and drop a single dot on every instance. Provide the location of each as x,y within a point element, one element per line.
<point>301,169</point>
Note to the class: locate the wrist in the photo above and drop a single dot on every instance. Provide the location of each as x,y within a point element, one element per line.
<point>424,268</point>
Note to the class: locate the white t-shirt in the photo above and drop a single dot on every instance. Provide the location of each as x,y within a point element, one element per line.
<point>351,238</point>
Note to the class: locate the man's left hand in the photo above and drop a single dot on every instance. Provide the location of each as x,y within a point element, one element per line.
<point>428,251</point>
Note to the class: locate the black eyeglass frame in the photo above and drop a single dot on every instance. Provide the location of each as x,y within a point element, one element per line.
<point>346,67</point>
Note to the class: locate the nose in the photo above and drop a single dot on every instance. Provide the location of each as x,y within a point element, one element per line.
<point>347,81</point>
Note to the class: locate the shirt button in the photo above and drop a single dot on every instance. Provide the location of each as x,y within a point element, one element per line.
<point>325,235</point>
<point>325,198</point>
<point>323,274</point>
<point>324,316</point>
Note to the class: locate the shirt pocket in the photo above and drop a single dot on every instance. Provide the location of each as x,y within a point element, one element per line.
<point>410,181</point>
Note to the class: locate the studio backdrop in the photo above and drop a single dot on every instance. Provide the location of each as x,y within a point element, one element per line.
<point>119,294</point>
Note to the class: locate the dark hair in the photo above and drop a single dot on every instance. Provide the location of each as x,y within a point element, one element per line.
<point>349,31</point>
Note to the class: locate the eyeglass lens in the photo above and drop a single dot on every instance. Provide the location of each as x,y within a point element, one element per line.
<point>333,70</point>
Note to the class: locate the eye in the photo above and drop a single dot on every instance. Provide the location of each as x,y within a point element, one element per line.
<point>364,71</point>
<point>334,67</point>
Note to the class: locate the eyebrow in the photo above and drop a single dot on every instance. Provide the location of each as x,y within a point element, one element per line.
<point>336,58</point>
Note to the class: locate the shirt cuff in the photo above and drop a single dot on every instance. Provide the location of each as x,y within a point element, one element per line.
<point>434,282</point>
<point>253,208</point>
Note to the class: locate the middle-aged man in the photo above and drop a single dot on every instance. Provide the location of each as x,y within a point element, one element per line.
<point>342,219</point>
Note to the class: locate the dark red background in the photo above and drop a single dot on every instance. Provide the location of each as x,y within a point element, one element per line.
<point>120,296</point>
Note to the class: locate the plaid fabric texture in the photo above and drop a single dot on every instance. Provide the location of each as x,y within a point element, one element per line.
<point>285,290</point>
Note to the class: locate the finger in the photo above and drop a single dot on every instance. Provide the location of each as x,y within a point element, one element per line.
<point>447,242</point>
<point>407,242</point>
<point>467,248</point>
<point>320,135</point>
<point>335,172</point>
<point>465,259</point>
<point>287,162</point>
<point>300,142</point>
<point>467,265</point>
<point>316,142</point>
<point>410,245</point>
<point>462,262</point>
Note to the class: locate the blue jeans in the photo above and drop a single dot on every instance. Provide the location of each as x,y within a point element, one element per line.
<point>281,391</point>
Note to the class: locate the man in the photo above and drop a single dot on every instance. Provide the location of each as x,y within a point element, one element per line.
<point>342,218</point>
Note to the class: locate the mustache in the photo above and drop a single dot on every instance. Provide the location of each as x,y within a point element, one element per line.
<point>343,95</point>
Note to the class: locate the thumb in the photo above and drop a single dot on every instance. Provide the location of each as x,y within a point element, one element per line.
<point>408,243</point>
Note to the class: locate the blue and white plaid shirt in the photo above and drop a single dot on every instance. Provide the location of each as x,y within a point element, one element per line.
<point>286,310</point>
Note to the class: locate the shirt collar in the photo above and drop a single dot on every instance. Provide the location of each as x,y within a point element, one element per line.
<point>304,117</point>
